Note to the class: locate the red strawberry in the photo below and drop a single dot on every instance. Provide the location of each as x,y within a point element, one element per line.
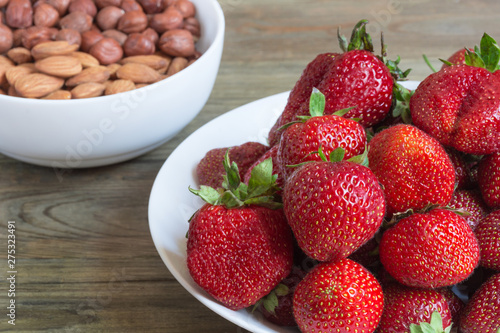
<point>277,306</point>
<point>338,296</point>
<point>460,105</point>
<point>405,307</point>
<point>210,169</point>
<point>457,58</point>
<point>356,78</point>
<point>333,207</point>
<point>489,179</point>
<point>430,250</point>
<point>463,169</point>
<point>482,312</point>
<point>301,92</point>
<point>413,168</point>
<point>455,304</point>
<point>471,202</point>
<point>238,251</point>
<point>301,141</point>
<point>488,236</point>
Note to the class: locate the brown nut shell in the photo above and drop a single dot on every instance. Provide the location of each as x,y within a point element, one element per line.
<point>177,43</point>
<point>19,14</point>
<point>45,15</point>
<point>107,51</point>
<point>134,21</point>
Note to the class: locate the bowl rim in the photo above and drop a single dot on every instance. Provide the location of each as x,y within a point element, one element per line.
<point>218,39</point>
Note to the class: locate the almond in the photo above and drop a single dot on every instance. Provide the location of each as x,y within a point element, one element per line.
<point>5,63</point>
<point>154,61</point>
<point>87,90</point>
<point>112,70</point>
<point>52,48</point>
<point>118,86</point>
<point>14,73</point>
<point>138,73</point>
<point>37,85</point>
<point>20,55</point>
<point>59,94</point>
<point>86,59</point>
<point>60,66</point>
<point>98,74</point>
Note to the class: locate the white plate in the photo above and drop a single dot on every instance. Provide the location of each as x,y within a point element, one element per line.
<point>171,204</point>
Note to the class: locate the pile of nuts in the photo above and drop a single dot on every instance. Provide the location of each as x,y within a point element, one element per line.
<point>67,49</point>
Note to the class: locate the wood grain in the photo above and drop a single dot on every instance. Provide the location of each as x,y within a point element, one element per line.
<point>86,261</point>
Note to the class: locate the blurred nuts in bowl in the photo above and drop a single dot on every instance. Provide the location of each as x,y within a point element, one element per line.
<point>63,39</point>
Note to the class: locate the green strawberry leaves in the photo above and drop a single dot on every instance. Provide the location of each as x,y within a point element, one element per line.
<point>360,39</point>
<point>435,326</point>
<point>486,55</point>
<point>261,188</point>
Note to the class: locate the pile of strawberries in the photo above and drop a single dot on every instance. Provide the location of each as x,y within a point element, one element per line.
<point>372,208</point>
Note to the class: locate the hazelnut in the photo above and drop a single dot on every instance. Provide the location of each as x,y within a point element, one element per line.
<point>60,5</point>
<point>138,44</point>
<point>6,38</point>
<point>107,51</point>
<point>35,35</point>
<point>17,36</point>
<point>89,38</point>
<point>117,35</point>
<point>170,19</point>
<point>45,15</point>
<point>107,18</point>
<point>186,7</point>
<point>106,3</point>
<point>152,35</point>
<point>192,25</point>
<point>152,6</point>
<point>130,5</point>
<point>134,21</point>
<point>78,21</point>
<point>86,6</point>
<point>3,3</point>
<point>177,43</point>
<point>70,35</point>
<point>19,14</point>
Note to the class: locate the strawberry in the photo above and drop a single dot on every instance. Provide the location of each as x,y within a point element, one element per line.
<point>460,105</point>
<point>488,236</point>
<point>430,250</point>
<point>301,141</point>
<point>406,307</point>
<point>457,58</point>
<point>463,168</point>
<point>413,168</point>
<point>338,296</point>
<point>271,153</point>
<point>301,92</point>
<point>489,179</point>
<point>482,312</point>
<point>333,207</point>
<point>277,306</point>
<point>455,304</point>
<point>239,243</point>
<point>210,169</point>
<point>473,205</point>
<point>356,78</point>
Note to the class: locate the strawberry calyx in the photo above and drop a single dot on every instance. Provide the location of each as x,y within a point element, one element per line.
<point>361,40</point>
<point>317,103</point>
<point>435,326</point>
<point>270,301</point>
<point>261,188</point>
<point>486,55</point>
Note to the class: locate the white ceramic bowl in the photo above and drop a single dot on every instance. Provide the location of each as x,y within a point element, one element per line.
<point>110,129</point>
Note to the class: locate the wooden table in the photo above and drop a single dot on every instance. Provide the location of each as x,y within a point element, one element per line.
<point>85,258</point>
